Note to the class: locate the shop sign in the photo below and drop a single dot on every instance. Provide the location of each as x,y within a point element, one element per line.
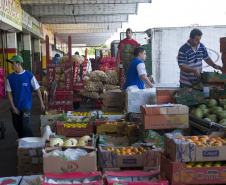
<point>46,31</point>
<point>10,13</point>
<point>30,23</point>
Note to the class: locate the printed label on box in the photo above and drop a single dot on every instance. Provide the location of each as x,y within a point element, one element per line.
<point>69,167</point>
<point>32,152</point>
<point>129,161</point>
<point>211,153</point>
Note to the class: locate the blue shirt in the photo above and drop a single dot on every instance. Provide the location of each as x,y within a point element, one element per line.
<point>187,55</point>
<point>21,88</point>
<point>55,60</point>
<point>132,77</point>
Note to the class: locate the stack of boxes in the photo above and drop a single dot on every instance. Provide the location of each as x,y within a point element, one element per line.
<point>30,161</point>
<point>113,101</point>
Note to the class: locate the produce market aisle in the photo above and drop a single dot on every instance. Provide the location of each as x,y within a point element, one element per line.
<point>8,146</point>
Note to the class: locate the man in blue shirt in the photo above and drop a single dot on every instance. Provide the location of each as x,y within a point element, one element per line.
<point>136,72</point>
<point>56,59</point>
<point>20,85</point>
<point>190,58</point>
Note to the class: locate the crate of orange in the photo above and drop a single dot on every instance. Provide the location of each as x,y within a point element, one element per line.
<point>75,129</point>
<point>181,173</point>
<point>196,148</point>
<point>143,155</point>
<point>105,126</point>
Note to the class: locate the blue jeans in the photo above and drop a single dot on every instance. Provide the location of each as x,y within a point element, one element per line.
<point>22,124</point>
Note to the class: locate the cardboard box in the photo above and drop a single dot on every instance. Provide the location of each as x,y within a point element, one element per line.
<point>30,169</point>
<point>21,152</point>
<point>118,142</point>
<point>190,96</point>
<point>155,136</point>
<point>111,102</point>
<point>31,180</point>
<point>213,77</point>
<point>165,117</point>
<point>112,117</point>
<point>132,129</point>
<point>134,178</point>
<point>165,96</point>
<point>182,151</point>
<point>76,132</point>
<point>110,159</point>
<point>52,117</point>
<point>30,160</point>
<point>95,178</point>
<point>178,174</point>
<point>102,127</point>
<point>54,164</point>
<point>122,169</point>
<point>111,109</point>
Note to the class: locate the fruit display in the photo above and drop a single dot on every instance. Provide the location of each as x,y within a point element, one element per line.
<point>112,113</point>
<point>204,141</point>
<point>81,113</point>
<point>75,125</point>
<point>205,164</point>
<point>57,142</point>
<point>130,150</point>
<point>212,111</point>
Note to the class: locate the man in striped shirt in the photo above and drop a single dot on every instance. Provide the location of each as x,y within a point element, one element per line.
<point>190,58</point>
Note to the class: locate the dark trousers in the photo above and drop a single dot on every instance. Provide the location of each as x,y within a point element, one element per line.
<point>22,124</point>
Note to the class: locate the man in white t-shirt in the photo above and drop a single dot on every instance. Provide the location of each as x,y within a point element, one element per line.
<point>136,72</point>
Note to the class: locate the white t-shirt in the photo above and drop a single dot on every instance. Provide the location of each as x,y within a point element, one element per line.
<point>141,69</point>
<point>34,83</point>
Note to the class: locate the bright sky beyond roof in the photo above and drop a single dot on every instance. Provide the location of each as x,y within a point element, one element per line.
<point>175,13</point>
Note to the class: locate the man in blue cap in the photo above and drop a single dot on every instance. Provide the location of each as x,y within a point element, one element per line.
<point>20,85</point>
<point>56,59</point>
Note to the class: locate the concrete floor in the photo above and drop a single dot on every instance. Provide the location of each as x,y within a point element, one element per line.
<point>8,146</point>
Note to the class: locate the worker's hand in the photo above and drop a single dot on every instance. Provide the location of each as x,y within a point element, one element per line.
<point>15,111</point>
<point>218,67</point>
<point>197,73</point>
<point>42,107</point>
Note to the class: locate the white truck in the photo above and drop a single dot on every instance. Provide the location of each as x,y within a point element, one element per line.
<point>166,43</point>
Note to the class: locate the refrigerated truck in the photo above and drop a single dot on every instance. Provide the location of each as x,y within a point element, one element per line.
<point>166,43</point>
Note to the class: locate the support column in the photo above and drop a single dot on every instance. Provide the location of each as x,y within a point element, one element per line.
<point>11,50</point>
<point>44,54</point>
<point>26,53</point>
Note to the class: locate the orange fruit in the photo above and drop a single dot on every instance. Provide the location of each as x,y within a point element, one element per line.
<point>205,137</point>
<point>122,148</point>
<point>188,140</point>
<point>209,140</point>
<point>202,140</point>
<point>107,123</point>
<point>127,150</point>
<point>141,148</point>
<point>142,151</point>
<point>139,153</point>
<point>217,143</point>
<point>115,123</point>
<point>217,137</point>
<point>201,145</point>
<point>133,153</point>
<point>197,143</point>
<point>112,149</point>
<point>130,147</point>
<point>117,151</point>
<point>122,152</point>
<point>194,138</point>
<point>221,140</point>
<point>135,150</point>
<point>128,153</point>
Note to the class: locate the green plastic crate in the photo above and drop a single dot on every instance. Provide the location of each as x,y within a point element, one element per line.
<point>213,77</point>
<point>190,98</point>
<point>128,48</point>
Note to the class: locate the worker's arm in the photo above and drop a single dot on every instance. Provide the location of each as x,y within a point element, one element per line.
<point>210,62</point>
<point>38,92</point>
<point>10,98</point>
<point>186,68</point>
<point>145,79</point>
<point>118,58</point>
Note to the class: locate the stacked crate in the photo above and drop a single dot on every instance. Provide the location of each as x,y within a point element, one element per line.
<point>113,101</point>
<point>30,161</point>
<point>62,99</point>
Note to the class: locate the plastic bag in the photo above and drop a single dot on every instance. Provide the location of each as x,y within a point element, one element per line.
<point>73,154</point>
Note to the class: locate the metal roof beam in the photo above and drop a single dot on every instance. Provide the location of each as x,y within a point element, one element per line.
<point>94,9</point>
<point>85,26</point>
<point>84,1</point>
<point>86,31</point>
<point>84,19</point>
